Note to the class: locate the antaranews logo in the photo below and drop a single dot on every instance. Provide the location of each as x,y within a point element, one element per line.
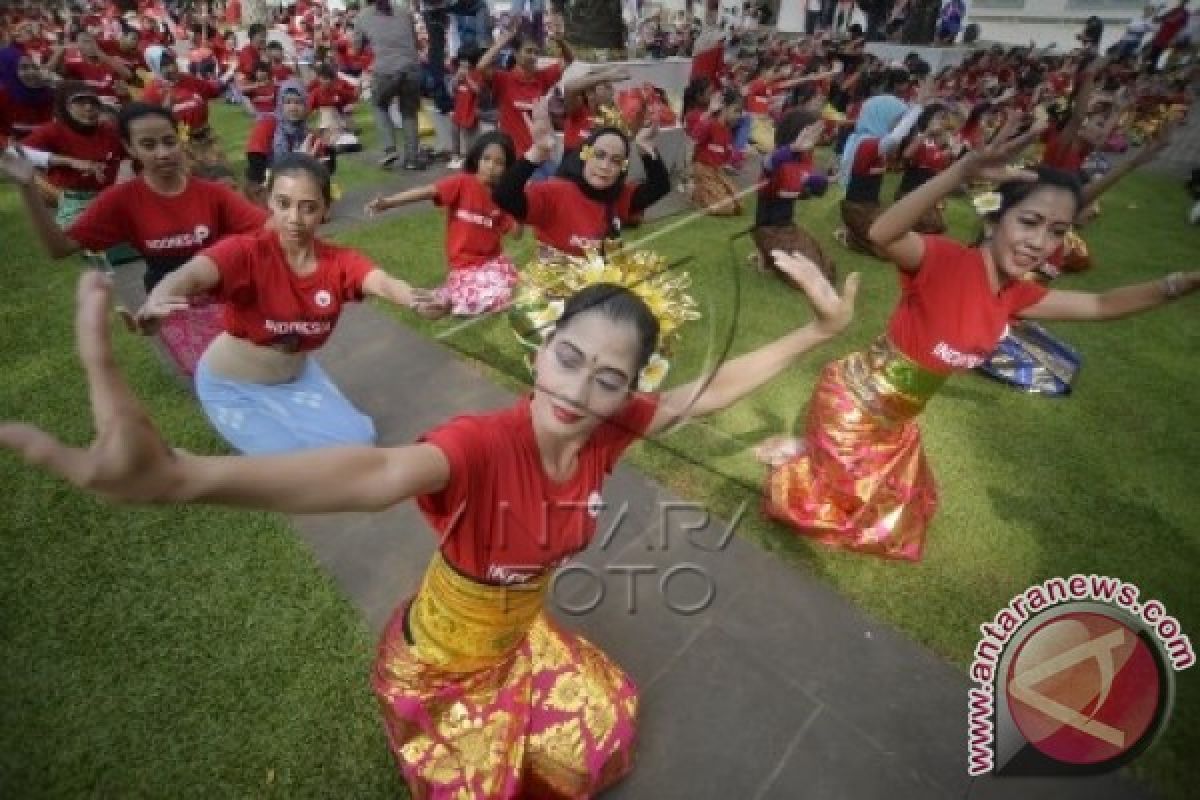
<point>1074,676</point>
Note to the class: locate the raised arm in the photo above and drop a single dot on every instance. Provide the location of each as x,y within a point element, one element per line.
<point>893,232</point>
<point>128,462</point>
<point>733,380</point>
<point>658,181</point>
<point>488,59</point>
<point>509,193</point>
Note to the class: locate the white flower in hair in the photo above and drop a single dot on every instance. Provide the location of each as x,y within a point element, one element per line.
<point>653,373</point>
<point>543,319</point>
<point>987,203</point>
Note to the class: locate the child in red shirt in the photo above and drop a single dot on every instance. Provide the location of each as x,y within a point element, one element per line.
<point>713,191</point>
<point>482,277</point>
<point>260,92</point>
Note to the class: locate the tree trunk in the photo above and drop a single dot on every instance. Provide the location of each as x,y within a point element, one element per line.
<point>594,23</point>
<point>254,11</point>
<point>921,24</point>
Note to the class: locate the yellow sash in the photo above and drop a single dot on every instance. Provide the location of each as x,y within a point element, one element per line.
<point>462,625</point>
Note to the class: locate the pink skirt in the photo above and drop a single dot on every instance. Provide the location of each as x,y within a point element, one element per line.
<point>187,334</point>
<point>479,290</point>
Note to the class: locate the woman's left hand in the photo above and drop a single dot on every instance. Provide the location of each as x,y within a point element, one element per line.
<point>646,137</point>
<point>429,304</point>
<point>833,311</point>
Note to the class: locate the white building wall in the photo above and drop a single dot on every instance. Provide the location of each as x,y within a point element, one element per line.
<point>1050,21</point>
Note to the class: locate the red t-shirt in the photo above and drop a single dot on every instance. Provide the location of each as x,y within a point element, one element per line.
<point>262,136</point>
<point>758,96</point>
<point>331,95</point>
<point>102,145</point>
<point>281,72</point>
<point>577,126</point>
<point>787,180</point>
<point>867,158</point>
<point>1060,83</point>
<point>474,223</point>
<point>714,143</point>
<point>692,122</point>
<point>500,518</point>
<point>95,74</point>
<point>930,155</point>
<point>466,101</point>
<point>189,98</point>
<point>262,97</point>
<point>165,228</point>
<point>1065,156</point>
<point>354,63</point>
<point>948,316</point>
<point>18,119</point>
<point>270,305</point>
<point>131,59</point>
<point>567,219</point>
<point>515,92</point>
<point>248,56</point>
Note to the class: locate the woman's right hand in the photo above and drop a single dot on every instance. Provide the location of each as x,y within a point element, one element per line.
<point>150,316</point>
<point>128,461</point>
<point>16,167</point>
<point>376,206</point>
<point>833,311</point>
<point>541,130</point>
<point>992,159</point>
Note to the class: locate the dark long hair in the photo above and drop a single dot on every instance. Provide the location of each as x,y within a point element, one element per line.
<point>1013,193</point>
<point>619,305</point>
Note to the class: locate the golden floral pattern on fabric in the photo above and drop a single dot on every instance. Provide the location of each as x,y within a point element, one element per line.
<point>563,742</point>
<point>569,693</point>
<point>554,715</point>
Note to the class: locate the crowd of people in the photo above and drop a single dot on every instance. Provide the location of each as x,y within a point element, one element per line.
<point>106,125</point>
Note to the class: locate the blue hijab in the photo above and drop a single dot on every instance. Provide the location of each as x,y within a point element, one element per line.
<point>289,135</point>
<point>879,115</point>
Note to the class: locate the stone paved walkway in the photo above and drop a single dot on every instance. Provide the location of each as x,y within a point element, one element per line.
<point>779,688</point>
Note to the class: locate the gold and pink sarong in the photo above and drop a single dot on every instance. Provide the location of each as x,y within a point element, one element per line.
<point>486,698</point>
<point>862,481</point>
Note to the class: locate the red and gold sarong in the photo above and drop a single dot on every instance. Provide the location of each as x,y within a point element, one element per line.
<point>862,482</point>
<point>713,192</point>
<point>491,699</point>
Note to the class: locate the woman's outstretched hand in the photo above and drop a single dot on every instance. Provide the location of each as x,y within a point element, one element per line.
<point>16,167</point>
<point>993,160</point>
<point>128,461</point>
<point>833,311</point>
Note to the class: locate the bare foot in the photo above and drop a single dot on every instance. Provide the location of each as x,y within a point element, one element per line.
<point>778,450</point>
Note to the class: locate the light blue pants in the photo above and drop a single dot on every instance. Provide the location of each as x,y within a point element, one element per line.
<point>260,419</point>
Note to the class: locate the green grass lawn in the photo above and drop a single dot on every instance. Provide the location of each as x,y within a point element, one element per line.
<point>1032,487</point>
<point>153,653</point>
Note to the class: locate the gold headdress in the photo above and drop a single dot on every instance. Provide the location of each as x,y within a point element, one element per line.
<point>547,283</point>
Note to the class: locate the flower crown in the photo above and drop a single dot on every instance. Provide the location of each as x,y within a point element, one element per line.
<point>546,283</point>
